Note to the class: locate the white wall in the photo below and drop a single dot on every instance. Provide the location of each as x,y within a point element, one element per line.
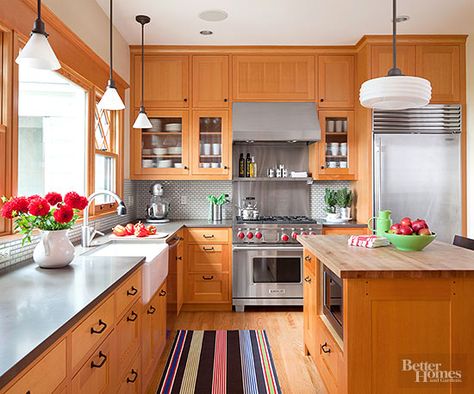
<point>91,24</point>
<point>470,136</point>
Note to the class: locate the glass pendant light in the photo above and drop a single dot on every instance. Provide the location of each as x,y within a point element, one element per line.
<point>37,53</point>
<point>142,121</point>
<point>111,99</point>
<point>395,91</point>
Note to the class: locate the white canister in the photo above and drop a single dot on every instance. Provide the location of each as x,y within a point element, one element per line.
<point>344,126</point>
<point>338,126</point>
<point>343,164</point>
<point>330,126</point>
<point>332,164</point>
<point>334,148</point>
<point>344,148</point>
<point>216,149</point>
<point>206,149</point>
<point>215,165</point>
<point>55,250</point>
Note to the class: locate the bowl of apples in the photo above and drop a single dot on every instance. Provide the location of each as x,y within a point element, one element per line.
<point>410,235</point>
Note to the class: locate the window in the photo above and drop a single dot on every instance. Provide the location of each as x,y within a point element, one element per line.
<point>52,130</point>
<point>106,156</point>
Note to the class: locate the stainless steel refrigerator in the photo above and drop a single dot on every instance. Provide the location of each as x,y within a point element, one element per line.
<point>417,166</point>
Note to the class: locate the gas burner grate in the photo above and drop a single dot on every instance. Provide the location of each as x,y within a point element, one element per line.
<point>277,219</point>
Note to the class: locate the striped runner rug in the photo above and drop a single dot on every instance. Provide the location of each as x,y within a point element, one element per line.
<point>219,362</point>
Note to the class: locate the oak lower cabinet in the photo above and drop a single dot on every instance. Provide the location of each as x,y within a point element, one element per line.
<point>207,274</point>
<point>130,382</point>
<point>153,334</point>
<point>273,77</point>
<point>310,286</point>
<point>210,81</point>
<point>346,230</point>
<point>336,81</point>
<point>174,282</point>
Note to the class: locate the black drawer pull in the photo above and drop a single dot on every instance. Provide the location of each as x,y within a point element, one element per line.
<point>134,376</point>
<point>208,249</point>
<point>132,291</point>
<point>102,361</point>
<point>162,293</point>
<point>179,258</point>
<point>307,279</point>
<point>208,236</point>
<point>151,310</point>
<point>133,316</point>
<point>325,348</point>
<point>185,100</point>
<point>210,277</point>
<point>307,258</point>
<point>225,100</point>
<point>103,326</point>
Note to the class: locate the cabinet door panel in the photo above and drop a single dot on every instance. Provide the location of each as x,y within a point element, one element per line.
<point>382,59</point>
<point>128,335</point>
<point>440,64</point>
<point>166,81</point>
<point>273,77</point>
<point>207,288</point>
<point>309,309</point>
<point>336,81</point>
<point>210,81</point>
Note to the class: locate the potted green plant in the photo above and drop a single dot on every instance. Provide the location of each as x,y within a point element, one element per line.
<point>344,198</point>
<point>330,199</point>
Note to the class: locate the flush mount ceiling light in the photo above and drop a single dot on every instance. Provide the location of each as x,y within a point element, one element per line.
<point>142,121</point>
<point>37,53</point>
<point>213,15</point>
<point>395,91</point>
<point>111,99</point>
<point>206,32</point>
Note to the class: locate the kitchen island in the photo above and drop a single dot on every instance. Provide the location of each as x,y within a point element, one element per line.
<point>389,321</point>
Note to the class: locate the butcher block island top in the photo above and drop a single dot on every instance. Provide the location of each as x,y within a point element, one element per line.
<point>350,262</point>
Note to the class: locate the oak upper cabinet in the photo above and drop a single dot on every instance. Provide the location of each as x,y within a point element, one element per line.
<point>382,60</point>
<point>334,157</point>
<point>210,81</point>
<point>273,78</point>
<point>336,81</point>
<point>166,81</point>
<point>211,143</point>
<point>163,149</point>
<point>440,64</point>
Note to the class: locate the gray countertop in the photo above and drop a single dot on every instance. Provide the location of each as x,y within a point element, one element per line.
<point>37,306</point>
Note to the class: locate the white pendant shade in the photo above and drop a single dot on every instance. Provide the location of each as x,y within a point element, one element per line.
<point>37,53</point>
<point>395,93</point>
<point>142,122</point>
<point>111,100</point>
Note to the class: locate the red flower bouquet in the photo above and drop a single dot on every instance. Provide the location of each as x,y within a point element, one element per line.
<point>49,213</point>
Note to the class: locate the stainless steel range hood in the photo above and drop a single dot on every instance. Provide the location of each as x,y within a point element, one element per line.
<point>275,122</point>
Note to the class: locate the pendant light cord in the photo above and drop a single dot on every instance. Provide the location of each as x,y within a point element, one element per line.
<point>111,43</point>
<point>143,67</point>
<point>394,71</point>
<point>39,9</point>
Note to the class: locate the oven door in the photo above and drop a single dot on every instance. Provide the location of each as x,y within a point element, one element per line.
<point>267,272</point>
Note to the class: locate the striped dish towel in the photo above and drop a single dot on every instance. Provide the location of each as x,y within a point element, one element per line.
<point>367,241</point>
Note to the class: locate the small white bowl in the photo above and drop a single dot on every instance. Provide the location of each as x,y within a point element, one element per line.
<point>215,165</point>
<point>165,163</point>
<point>205,165</point>
<point>178,165</point>
<point>173,127</point>
<point>160,151</point>
<point>175,150</point>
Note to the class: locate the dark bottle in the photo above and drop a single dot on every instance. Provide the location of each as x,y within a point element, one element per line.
<point>248,160</point>
<point>241,166</point>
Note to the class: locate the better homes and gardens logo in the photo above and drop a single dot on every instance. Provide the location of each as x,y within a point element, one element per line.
<point>430,372</point>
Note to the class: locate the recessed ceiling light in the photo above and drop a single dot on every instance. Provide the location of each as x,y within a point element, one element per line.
<point>213,15</point>
<point>402,18</point>
<point>206,32</point>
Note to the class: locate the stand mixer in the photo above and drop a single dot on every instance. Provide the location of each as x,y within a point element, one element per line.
<point>158,209</point>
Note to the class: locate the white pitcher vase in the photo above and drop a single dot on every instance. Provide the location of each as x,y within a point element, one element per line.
<point>55,250</point>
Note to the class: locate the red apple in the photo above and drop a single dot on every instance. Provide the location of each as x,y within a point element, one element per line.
<point>395,228</point>
<point>406,230</point>
<point>406,221</point>
<point>424,231</point>
<point>418,224</point>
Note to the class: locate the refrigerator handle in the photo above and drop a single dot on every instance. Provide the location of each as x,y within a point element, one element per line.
<point>378,174</point>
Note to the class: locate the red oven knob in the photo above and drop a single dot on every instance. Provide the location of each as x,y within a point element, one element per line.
<point>313,233</point>
<point>249,235</point>
<point>240,235</point>
<point>294,235</point>
<point>304,233</point>
<point>285,237</point>
<point>258,235</point>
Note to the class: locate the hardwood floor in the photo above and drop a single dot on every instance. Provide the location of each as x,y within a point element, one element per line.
<point>296,372</point>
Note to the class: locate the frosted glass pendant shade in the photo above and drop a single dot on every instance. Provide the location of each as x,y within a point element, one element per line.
<point>395,93</point>
<point>142,121</point>
<point>111,100</point>
<point>37,53</point>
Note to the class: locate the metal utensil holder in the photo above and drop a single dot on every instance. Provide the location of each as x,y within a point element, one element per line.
<point>216,213</point>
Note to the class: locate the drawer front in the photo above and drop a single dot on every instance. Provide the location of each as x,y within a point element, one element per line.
<point>129,335</point>
<point>328,356</point>
<point>91,331</point>
<point>46,375</point>
<point>207,288</point>
<point>128,293</point>
<point>131,380</point>
<point>208,235</point>
<point>208,258</point>
<point>97,373</point>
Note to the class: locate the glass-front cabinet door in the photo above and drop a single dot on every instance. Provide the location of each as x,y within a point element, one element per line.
<point>337,155</point>
<point>210,143</point>
<point>163,149</point>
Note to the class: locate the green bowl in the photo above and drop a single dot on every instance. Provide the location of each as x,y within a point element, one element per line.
<point>410,243</point>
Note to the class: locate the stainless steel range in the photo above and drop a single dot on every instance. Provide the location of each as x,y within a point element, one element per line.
<point>268,260</point>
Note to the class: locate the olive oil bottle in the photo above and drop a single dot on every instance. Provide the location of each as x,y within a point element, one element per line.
<point>241,166</point>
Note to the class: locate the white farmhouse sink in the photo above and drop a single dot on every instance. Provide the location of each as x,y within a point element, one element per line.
<point>155,268</point>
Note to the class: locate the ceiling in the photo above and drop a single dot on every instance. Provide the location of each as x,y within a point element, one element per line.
<point>286,22</point>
